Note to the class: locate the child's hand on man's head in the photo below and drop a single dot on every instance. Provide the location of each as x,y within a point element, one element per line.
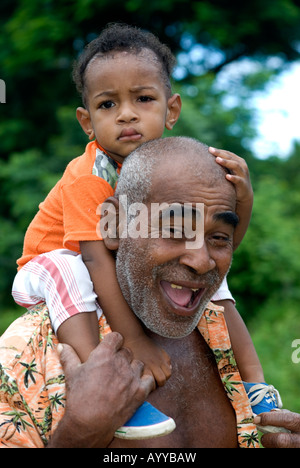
<point>238,173</point>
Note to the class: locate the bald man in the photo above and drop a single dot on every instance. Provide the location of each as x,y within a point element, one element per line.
<point>168,284</point>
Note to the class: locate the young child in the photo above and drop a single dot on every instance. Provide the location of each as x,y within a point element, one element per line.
<point>124,79</point>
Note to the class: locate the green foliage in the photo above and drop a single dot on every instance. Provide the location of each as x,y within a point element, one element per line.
<point>8,316</point>
<point>25,180</point>
<point>273,331</point>
<point>204,116</point>
<point>40,39</point>
<point>267,262</point>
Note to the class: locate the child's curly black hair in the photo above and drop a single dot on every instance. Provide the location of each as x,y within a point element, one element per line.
<point>122,37</point>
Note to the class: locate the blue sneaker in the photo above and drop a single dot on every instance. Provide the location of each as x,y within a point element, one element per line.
<point>146,423</point>
<point>263,397</point>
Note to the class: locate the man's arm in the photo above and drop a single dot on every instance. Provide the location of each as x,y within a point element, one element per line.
<point>102,394</point>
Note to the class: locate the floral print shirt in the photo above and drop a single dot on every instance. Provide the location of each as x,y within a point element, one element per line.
<point>32,382</point>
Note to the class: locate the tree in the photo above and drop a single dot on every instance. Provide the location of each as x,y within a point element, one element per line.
<point>266,265</point>
<point>41,38</point>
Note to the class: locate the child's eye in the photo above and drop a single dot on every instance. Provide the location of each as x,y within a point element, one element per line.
<point>145,98</point>
<point>106,105</point>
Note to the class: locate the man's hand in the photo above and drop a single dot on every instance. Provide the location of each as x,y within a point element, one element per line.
<point>102,394</point>
<point>285,419</point>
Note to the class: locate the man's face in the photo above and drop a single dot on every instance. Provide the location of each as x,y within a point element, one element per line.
<point>166,283</point>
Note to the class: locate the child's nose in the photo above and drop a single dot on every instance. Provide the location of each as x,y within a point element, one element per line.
<point>127,114</point>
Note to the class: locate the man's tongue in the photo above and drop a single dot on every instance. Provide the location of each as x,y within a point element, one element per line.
<point>180,296</point>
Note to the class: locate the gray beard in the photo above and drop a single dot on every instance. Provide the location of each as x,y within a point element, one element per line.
<point>145,305</point>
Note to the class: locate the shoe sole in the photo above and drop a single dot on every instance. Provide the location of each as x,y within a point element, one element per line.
<point>271,429</point>
<point>146,432</point>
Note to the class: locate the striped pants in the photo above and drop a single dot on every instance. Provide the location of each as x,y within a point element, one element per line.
<point>59,278</point>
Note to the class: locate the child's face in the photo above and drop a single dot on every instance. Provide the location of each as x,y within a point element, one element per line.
<point>128,102</point>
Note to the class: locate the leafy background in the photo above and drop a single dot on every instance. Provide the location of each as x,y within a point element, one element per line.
<point>39,134</point>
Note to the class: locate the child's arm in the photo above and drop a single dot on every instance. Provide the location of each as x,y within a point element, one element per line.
<point>240,177</point>
<point>242,345</point>
<point>101,265</point>
<point>243,348</point>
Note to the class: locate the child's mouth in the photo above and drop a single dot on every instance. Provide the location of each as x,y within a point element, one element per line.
<point>129,134</point>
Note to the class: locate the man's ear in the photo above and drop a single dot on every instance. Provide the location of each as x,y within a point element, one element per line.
<point>174,109</point>
<point>109,223</point>
<point>83,117</point>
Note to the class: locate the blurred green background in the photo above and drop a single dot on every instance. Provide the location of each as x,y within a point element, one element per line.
<point>39,135</point>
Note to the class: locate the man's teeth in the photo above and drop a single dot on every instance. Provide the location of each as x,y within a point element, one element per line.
<point>177,286</point>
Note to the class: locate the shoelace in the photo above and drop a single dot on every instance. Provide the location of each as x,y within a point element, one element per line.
<point>259,391</point>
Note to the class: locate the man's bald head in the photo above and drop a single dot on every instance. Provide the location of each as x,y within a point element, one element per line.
<point>141,167</point>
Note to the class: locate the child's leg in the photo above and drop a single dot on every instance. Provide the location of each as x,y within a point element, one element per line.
<point>61,279</point>
<point>243,348</point>
<point>81,331</point>
<point>245,354</point>
<point>262,397</point>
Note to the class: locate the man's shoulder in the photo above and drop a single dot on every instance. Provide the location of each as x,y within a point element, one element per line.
<point>210,312</point>
<point>213,308</point>
<point>32,383</point>
<point>212,324</point>
<point>29,328</point>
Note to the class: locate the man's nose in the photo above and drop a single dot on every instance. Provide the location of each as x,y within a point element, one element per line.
<point>127,114</point>
<point>199,260</point>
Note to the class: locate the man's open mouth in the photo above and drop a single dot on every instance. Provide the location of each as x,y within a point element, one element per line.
<point>184,299</point>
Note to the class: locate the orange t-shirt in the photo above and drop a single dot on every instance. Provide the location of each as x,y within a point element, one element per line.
<point>68,215</point>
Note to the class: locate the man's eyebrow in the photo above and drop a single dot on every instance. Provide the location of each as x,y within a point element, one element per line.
<point>228,217</point>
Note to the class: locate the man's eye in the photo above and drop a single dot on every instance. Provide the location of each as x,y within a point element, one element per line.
<point>220,240</point>
<point>172,232</point>
<point>106,105</point>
